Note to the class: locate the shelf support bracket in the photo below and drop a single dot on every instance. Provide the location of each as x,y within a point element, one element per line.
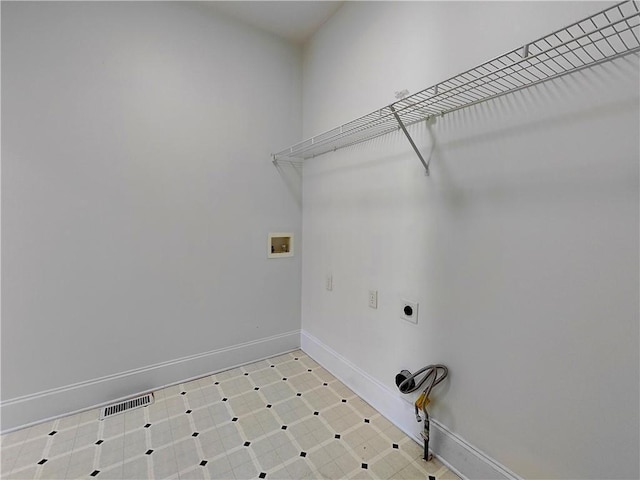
<point>413,145</point>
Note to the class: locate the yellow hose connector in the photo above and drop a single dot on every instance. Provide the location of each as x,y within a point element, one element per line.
<point>422,401</point>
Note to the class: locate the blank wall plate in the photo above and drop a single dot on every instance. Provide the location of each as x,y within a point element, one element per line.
<point>373,298</point>
<point>409,311</point>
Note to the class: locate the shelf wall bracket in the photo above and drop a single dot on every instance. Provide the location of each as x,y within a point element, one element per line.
<point>413,145</point>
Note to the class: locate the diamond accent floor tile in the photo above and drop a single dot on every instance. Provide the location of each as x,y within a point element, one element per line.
<point>281,418</point>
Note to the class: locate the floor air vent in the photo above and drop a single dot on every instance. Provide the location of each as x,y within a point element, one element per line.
<point>132,403</point>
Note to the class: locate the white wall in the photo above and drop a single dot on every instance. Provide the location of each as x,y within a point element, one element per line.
<point>137,196</point>
<point>521,247</point>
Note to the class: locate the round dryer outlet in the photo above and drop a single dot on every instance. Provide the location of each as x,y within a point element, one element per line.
<point>409,311</point>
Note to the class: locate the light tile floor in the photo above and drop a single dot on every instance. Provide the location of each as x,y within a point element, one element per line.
<point>282,418</point>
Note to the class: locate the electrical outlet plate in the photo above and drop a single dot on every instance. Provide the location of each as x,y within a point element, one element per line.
<point>329,283</point>
<point>373,298</point>
<point>409,311</point>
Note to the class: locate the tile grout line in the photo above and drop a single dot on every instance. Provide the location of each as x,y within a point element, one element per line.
<point>73,449</point>
<point>252,454</point>
<point>173,442</point>
<point>380,455</point>
<point>197,441</point>
<point>229,409</point>
<point>381,433</point>
<point>148,443</point>
<point>98,451</point>
<point>41,466</point>
<point>288,432</point>
<point>17,445</point>
<point>350,429</point>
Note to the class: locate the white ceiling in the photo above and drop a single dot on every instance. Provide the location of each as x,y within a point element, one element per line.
<point>295,21</point>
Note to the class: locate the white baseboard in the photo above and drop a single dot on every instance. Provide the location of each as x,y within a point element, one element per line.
<point>38,407</point>
<point>460,456</point>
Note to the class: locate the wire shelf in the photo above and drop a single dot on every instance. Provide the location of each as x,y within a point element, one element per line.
<point>602,37</point>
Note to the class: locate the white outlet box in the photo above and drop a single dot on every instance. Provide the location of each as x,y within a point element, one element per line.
<point>409,311</point>
<point>373,298</point>
<point>329,282</point>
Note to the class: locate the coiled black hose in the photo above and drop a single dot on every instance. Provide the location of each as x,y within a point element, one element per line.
<point>408,382</point>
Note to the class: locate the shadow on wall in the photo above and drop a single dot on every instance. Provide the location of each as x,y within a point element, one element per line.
<point>521,128</point>
<point>291,174</point>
